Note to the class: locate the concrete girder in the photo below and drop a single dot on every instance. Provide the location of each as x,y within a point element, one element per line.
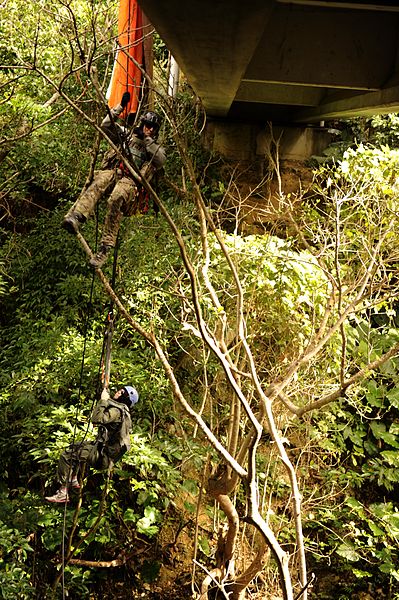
<point>212,42</point>
<point>372,103</point>
<point>276,93</point>
<point>327,48</point>
<point>385,5</point>
<point>284,60</point>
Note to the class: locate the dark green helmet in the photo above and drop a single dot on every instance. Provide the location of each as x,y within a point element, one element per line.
<point>151,119</point>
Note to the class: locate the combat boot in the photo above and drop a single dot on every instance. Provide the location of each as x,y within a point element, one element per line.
<point>59,497</point>
<point>99,259</point>
<point>74,483</point>
<point>71,222</point>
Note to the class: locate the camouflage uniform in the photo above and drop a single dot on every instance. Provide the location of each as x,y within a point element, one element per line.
<point>147,155</point>
<point>114,424</point>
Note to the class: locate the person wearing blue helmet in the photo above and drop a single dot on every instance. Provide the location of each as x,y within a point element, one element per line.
<point>112,418</point>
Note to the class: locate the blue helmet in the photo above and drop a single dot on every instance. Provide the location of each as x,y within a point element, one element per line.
<point>130,395</point>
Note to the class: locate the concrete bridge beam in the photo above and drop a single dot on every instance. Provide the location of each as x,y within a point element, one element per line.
<point>286,61</point>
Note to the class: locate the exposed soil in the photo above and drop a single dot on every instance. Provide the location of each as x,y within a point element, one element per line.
<point>262,202</point>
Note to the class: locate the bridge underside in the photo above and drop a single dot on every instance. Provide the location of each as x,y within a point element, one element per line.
<point>298,61</point>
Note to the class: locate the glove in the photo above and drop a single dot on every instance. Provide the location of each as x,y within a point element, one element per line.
<point>105,395</point>
<point>125,99</point>
<point>138,131</point>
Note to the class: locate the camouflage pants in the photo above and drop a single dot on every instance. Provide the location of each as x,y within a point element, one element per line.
<point>122,199</point>
<point>103,182</point>
<point>119,203</point>
<point>77,456</point>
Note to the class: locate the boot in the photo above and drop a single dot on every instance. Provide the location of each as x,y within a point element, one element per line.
<point>99,259</point>
<point>74,483</point>
<point>71,222</point>
<point>59,497</point>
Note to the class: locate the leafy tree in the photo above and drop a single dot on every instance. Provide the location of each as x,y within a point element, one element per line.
<point>236,344</point>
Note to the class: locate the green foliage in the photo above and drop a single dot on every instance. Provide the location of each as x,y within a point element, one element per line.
<point>161,53</point>
<point>360,435</point>
<point>353,444</point>
<point>378,532</point>
<point>53,316</point>
<point>50,321</point>
<point>14,572</point>
<point>280,285</point>
<point>385,130</point>
<point>381,130</point>
<point>47,146</point>
<point>376,165</point>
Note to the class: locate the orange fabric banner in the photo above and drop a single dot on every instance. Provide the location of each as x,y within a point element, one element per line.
<point>126,76</point>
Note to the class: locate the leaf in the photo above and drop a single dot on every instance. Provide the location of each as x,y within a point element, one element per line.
<point>204,546</point>
<point>344,166</point>
<point>360,574</point>
<point>377,532</point>
<point>393,521</point>
<point>388,567</point>
<point>348,551</point>
<point>190,507</point>
<point>130,516</point>
<point>190,486</point>
<point>391,457</point>
<point>51,538</point>
<point>375,394</point>
<point>393,397</point>
<point>378,429</point>
<point>353,503</point>
<point>146,524</point>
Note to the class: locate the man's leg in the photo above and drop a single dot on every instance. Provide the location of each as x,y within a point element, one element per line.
<point>71,462</point>
<point>85,204</point>
<point>124,189</point>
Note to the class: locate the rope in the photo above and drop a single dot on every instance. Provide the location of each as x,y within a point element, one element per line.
<point>106,359</point>
<point>74,432</point>
<point>107,347</point>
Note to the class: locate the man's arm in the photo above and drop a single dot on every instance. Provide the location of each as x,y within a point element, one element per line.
<point>103,413</point>
<point>112,129</point>
<point>155,152</point>
<point>111,116</point>
<point>108,124</point>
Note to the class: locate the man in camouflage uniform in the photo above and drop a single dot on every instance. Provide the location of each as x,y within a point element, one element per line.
<point>141,148</point>
<point>112,417</point>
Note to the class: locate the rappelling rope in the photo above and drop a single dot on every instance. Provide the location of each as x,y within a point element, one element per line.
<point>75,430</point>
<point>109,330</point>
<point>105,354</point>
<point>106,360</point>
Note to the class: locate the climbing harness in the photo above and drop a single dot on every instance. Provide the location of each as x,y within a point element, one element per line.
<point>143,200</point>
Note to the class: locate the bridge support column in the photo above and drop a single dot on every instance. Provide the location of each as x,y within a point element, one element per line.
<point>256,196</point>
<point>249,141</point>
